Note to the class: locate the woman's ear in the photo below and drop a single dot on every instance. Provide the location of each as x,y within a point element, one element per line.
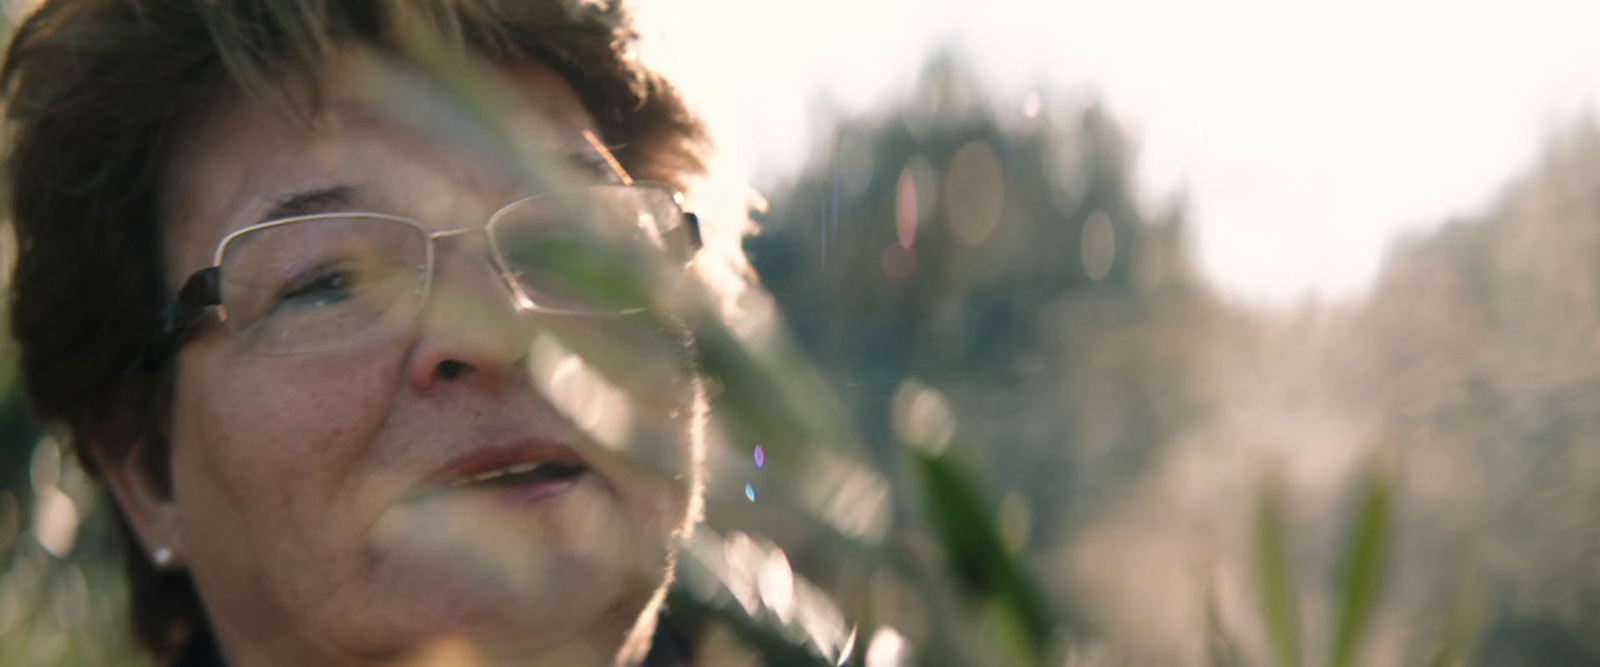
<point>135,471</point>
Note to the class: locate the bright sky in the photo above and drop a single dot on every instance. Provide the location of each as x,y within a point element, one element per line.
<point>1307,134</point>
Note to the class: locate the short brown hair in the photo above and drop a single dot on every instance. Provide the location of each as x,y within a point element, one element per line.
<point>95,92</point>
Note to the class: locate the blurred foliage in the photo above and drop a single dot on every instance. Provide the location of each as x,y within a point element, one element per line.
<point>1478,344</point>
<point>1361,572</point>
<point>1280,606</point>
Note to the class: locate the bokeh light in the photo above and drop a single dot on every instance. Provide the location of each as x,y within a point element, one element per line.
<point>974,193</point>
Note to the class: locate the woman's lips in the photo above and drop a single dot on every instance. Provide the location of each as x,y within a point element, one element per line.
<point>521,472</point>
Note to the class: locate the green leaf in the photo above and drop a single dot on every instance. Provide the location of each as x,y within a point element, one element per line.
<point>1463,622</point>
<point>988,571</point>
<point>1280,609</point>
<point>1365,552</point>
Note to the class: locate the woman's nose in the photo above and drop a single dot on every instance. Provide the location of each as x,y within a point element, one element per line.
<point>471,330</point>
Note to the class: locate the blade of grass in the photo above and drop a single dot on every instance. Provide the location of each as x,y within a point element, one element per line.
<point>971,539</point>
<point>1274,582</point>
<point>1463,622</point>
<point>1365,553</point>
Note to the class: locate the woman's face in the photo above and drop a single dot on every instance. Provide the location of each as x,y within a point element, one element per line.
<point>325,503</point>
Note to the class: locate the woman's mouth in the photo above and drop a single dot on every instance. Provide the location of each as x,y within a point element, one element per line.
<point>521,473</point>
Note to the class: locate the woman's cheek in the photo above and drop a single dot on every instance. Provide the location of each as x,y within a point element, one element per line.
<point>300,426</point>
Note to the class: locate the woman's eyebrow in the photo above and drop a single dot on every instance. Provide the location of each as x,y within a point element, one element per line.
<point>307,202</point>
<point>589,164</point>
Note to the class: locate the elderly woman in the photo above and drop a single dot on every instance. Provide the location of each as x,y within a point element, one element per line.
<point>313,335</point>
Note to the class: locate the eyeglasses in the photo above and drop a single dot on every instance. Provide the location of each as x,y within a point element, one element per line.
<point>317,282</point>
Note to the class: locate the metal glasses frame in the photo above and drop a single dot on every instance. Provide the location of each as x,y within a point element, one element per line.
<point>203,289</point>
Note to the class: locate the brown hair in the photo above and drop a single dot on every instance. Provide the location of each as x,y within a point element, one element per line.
<point>96,90</point>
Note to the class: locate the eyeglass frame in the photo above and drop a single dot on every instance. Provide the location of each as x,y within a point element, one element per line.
<point>203,288</point>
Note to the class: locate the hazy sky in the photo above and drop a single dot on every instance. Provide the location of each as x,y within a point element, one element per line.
<point>1306,134</point>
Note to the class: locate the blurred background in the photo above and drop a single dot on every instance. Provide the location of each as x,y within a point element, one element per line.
<point>1250,332</point>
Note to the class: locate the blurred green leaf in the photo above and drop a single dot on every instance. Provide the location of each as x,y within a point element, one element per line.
<point>1463,622</point>
<point>1365,553</point>
<point>1280,608</point>
<point>460,101</point>
<point>970,535</point>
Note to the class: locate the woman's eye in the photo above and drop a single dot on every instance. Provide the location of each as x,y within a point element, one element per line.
<point>322,286</point>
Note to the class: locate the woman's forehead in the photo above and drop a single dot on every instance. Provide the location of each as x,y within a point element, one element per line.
<point>244,159</point>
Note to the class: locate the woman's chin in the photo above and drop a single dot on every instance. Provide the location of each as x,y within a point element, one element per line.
<point>565,608</point>
<point>465,651</point>
<point>496,572</point>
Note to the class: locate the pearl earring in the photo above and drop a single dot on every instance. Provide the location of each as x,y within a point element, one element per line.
<point>163,558</point>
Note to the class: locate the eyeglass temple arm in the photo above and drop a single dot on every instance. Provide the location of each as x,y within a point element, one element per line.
<point>691,224</point>
<point>201,291</point>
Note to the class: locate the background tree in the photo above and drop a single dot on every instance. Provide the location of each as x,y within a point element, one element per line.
<point>1005,259</point>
